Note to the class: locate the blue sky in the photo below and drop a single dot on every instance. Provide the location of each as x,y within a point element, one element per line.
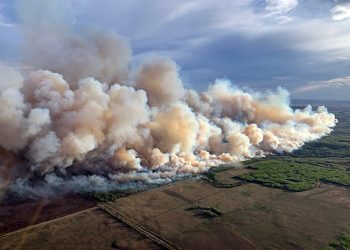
<point>302,45</point>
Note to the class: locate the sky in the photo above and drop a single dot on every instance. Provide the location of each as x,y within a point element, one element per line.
<point>301,45</point>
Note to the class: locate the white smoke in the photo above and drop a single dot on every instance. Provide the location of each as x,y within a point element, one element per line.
<point>59,128</point>
<point>87,128</point>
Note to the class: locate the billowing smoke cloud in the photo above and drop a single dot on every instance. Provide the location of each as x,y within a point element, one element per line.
<point>51,43</point>
<point>81,126</point>
<point>159,78</point>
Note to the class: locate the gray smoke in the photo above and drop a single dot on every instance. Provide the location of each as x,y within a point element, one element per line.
<point>79,121</point>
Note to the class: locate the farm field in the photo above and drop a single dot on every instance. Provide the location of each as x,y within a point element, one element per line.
<point>253,216</point>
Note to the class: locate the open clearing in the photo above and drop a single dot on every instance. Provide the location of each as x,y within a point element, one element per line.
<point>88,229</point>
<point>253,216</point>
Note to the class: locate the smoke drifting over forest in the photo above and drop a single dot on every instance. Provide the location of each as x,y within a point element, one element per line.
<point>84,120</point>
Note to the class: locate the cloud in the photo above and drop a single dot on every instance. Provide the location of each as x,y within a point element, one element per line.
<point>340,12</point>
<point>4,22</point>
<point>185,9</point>
<point>333,83</point>
<point>338,88</point>
<point>274,12</point>
<point>288,56</point>
<point>252,42</point>
<point>280,6</point>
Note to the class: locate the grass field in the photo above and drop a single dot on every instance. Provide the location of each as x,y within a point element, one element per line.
<point>253,216</point>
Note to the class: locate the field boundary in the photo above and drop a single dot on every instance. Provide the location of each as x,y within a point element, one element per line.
<point>24,229</point>
<point>144,231</point>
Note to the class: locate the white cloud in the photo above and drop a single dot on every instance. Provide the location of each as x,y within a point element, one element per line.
<point>276,10</point>
<point>3,21</point>
<point>340,12</point>
<point>338,88</point>
<point>184,10</point>
<point>327,39</point>
<point>5,24</point>
<point>274,7</point>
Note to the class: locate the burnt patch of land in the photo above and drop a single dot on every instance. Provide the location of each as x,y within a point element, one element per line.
<point>89,229</point>
<point>19,214</point>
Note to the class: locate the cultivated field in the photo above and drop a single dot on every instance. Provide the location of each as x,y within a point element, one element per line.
<point>253,216</point>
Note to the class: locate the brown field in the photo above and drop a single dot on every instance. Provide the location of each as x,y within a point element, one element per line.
<point>88,229</point>
<point>254,217</point>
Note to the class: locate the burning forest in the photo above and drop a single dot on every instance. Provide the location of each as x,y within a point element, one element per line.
<point>81,118</point>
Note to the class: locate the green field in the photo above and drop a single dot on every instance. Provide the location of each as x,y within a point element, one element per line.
<point>294,175</point>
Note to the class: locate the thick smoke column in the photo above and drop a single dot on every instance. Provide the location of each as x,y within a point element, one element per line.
<point>94,126</point>
<point>52,44</point>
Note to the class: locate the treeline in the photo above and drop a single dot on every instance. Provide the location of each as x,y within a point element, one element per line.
<point>210,177</point>
<point>112,195</point>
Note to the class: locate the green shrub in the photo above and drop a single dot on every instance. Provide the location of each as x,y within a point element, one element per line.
<point>210,177</point>
<point>341,243</point>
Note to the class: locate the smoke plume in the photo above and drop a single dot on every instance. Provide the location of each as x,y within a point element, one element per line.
<point>80,121</point>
